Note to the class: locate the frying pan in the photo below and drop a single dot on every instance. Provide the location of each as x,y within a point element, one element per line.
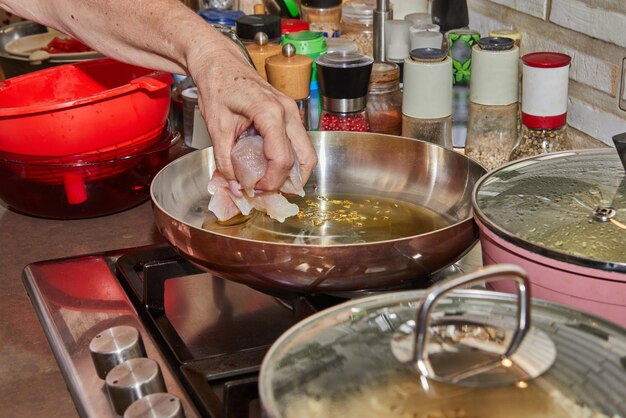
<point>375,165</point>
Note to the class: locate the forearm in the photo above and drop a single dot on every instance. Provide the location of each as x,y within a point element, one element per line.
<point>133,31</point>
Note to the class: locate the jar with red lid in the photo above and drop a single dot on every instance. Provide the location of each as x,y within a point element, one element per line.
<point>544,104</point>
<point>343,83</point>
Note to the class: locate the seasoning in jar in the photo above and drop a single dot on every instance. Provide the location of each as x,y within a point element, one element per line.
<point>427,96</point>
<point>324,16</point>
<point>492,120</point>
<point>357,24</point>
<point>384,99</point>
<point>545,77</point>
<point>344,79</point>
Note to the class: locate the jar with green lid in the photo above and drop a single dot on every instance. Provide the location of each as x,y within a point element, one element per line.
<point>357,24</point>
<point>324,16</point>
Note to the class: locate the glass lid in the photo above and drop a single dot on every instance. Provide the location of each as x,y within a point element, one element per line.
<point>569,206</point>
<point>343,361</point>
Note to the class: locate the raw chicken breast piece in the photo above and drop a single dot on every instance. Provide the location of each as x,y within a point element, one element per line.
<point>249,165</point>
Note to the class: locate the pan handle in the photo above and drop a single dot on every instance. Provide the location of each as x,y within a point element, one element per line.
<point>488,274</point>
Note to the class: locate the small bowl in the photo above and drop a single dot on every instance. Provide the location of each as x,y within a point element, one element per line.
<point>84,186</point>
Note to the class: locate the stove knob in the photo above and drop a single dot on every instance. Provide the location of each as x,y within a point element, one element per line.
<point>114,346</point>
<point>157,405</point>
<point>132,380</point>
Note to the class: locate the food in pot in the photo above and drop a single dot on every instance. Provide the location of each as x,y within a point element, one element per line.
<point>402,396</point>
<point>249,164</point>
<point>65,46</point>
<point>334,218</point>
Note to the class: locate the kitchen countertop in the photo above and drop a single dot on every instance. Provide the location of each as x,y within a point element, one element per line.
<point>31,384</point>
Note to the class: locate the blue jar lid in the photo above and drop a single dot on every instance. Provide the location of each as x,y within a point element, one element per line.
<point>221,17</point>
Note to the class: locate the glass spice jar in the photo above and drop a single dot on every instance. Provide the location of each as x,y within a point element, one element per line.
<point>323,16</point>
<point>343,82</point>
<point>384,99</point>
<point>357,24</point>
<point>492,119</point>
<point>545,77</point>
<point>427,96</point>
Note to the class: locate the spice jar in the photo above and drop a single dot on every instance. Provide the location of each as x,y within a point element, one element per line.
<point>384,99</point>
<point>425,36</point>
<point>545,77</point>
<point>260,50</point>
<point>492,119</point>
<point>312,44</point>
<point>344,79</point>
<point>324,16</point>
<point>427,96</point>
<point>290,73</point>
<point>357,24</point>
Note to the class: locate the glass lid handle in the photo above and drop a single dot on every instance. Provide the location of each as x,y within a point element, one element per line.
<point>488,274</point>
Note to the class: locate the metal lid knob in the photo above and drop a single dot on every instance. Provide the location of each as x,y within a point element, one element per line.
<point>114,346</point>
<point>156,405</point>
<point>132,380</point>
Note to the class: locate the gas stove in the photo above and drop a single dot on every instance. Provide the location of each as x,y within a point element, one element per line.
<point>207,334</point>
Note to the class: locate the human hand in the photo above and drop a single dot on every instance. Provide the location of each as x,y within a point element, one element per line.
<point>234,97</point>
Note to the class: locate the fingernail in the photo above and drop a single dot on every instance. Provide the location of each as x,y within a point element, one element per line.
<point>235,188</point>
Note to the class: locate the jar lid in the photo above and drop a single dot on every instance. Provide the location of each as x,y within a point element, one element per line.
<point>384,72</point>
<point>428,54</point>
<point>221,17</point>
<point>341,45</point>
<point>247,26</point>
<point>419,18</point>
<point>492,43</point>
<point>424,27</point>
<point>546,60</point>
<point>362,10</point>
<point>292,25</point>
<point>569,206</point>
<point>344,75</point>
<point>321,4</point>
<point>339,362</point>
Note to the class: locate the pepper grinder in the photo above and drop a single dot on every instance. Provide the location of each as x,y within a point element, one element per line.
<point>344,81</point>
<point>290,73</point>
<point>260,50</point>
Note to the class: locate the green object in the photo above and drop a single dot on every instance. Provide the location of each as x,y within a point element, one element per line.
<point>460,43</point>
<point>292,8</point>
<point>307,43</point>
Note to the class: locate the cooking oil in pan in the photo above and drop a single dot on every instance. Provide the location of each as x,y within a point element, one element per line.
<point>335,219</point>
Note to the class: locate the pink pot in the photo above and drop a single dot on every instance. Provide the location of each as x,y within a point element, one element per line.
<point>602,292</point>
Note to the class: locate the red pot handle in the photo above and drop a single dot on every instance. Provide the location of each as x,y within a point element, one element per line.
<point>154,81</point>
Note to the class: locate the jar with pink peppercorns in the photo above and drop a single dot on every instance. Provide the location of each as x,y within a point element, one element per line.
<point>343,83</point>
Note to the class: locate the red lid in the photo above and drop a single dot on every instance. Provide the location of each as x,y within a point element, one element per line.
<point>546,59</point>
<point>293,25</point>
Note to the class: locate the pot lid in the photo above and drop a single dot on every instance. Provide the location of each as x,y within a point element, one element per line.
<point>342,361</point>
<point>569,206</point>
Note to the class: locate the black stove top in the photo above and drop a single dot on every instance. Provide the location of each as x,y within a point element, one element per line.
<point>208,334</point>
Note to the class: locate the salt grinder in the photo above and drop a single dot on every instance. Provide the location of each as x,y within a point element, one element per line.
<point>427,96</point>
<point>290,73</point>
<point>114,346</point>
<point>156,405</point>
<point>132,380</point>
